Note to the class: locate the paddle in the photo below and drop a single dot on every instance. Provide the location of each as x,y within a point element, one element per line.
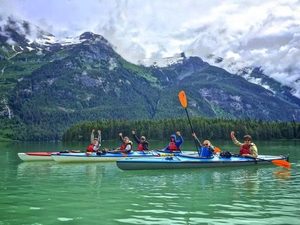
<point>282,163</point>
<point>184,103</point>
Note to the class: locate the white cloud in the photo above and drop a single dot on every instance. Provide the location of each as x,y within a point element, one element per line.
<point>248,32</point>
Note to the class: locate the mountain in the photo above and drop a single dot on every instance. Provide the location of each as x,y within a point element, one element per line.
<point>47,85</point>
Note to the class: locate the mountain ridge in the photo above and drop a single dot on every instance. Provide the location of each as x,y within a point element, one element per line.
<point>48,87</point>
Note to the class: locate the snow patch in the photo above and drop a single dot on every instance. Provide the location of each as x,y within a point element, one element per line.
<point>235,98</point>
<point>30,48</point>
<point>50,81</point>
<point>112,64</point>
<point>163,62</point>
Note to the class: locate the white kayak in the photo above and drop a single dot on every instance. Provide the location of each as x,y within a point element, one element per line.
<point>40,156</point>
<point>36,156</point>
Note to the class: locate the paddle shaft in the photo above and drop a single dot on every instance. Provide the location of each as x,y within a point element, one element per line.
<point>187,114</point>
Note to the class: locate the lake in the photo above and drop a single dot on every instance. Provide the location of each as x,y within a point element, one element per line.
<point>100,193</point>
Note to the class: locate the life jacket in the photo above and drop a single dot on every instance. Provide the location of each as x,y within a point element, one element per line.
<point>172,146</point>
<point>245,149</point>
<point>140,147</point>
<point>90,148</point>
<point>124,145</point>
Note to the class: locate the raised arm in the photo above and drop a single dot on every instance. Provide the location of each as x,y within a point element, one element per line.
<point>179,139</point>
<point>121,137</point>
<point>233,138</point>
<point>196,140</point>
<point>135,137</point>
<point>99,137</point>
<point>92,135</point>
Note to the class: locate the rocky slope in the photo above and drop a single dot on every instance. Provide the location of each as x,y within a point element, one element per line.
<point>48,85</point>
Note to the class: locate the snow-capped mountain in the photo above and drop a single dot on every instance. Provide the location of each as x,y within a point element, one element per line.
<point>49,84</point>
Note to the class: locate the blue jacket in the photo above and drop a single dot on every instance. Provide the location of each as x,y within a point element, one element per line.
<point>205,152</point>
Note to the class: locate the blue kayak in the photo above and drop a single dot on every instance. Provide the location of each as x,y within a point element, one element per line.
<point>187,161</point>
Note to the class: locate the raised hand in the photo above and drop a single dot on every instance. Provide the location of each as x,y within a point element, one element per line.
<point>232,134</point>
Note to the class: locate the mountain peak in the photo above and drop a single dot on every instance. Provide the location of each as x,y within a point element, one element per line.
<point>90,36</point>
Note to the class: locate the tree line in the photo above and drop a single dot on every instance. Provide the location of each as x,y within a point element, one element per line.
<point>204,128</point>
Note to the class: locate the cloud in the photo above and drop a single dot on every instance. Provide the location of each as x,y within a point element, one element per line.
<point>244,33</point>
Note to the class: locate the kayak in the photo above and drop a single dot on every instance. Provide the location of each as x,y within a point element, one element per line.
<point>40,156</point>
<point>109,156</point>
<point>188,161</point>
<point>94,157</point>
<point>36,156</point>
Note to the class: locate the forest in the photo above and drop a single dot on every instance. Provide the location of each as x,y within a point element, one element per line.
<point>203,127</point>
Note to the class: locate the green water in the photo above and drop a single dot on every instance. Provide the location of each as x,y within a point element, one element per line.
<point>100,193</point>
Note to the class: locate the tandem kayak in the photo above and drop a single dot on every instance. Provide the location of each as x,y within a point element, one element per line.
<point>109,156</point>
<point>36,156</point>
<point>187,161</point>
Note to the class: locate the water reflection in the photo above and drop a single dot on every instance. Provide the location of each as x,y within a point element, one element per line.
<point>100,193</point>
<point>282,174</point>
<point>195,196</point>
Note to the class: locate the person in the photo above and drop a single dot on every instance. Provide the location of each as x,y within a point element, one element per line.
<point>206,149</point>
<point>95,142</point>
<point>248,148</point>
<point>126,145</point>
<point>176,141</point>
<point>143,145</point>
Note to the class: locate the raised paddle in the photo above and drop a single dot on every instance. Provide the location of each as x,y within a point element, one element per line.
<point>184,103</point>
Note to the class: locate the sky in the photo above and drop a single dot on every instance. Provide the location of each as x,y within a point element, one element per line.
<point>244,33</point>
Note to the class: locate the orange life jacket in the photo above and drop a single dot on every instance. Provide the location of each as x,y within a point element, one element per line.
<point>172,146</point>
<point>124,145</point>
<point>90,148</point>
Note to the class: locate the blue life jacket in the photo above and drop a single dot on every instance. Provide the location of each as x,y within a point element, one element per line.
<point>205,152</point>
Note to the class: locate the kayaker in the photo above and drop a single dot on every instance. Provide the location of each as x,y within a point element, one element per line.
<point>205,150</point>
<point>95,142</point>
<point>248,148</point>
<point>126,145</point>
<point>143,144</point>
<point>176,141</point>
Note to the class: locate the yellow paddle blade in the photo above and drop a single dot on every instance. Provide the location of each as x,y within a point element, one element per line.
<point>282,163</point>
<point>182,99</point>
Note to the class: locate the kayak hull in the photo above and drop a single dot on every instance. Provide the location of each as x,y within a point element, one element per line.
<point>93,157</point>
<point>111,157</point>
<point>35,156</point>
<point>184,162</point>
